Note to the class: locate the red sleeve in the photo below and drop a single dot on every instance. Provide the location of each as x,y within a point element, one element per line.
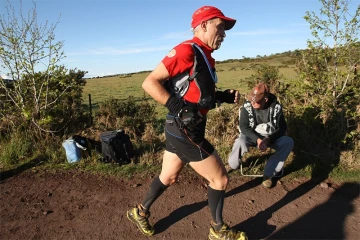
<point>179,59</point>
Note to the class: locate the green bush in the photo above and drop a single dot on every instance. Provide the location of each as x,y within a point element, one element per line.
<point>15,148</point>
<point>130,114</point>
<point>58,111</point>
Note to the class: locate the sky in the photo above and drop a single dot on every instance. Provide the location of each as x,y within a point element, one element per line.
<point>106,37</point>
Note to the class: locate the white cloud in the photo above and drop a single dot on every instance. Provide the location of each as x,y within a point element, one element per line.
<point>278,42</point>
<point>114,51</point>
<point>177,35</point>
<point>264,32</point>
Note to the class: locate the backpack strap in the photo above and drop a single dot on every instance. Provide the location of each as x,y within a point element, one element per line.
<point>213,75</point>
<point>193,71</point>
<point>179,84</point>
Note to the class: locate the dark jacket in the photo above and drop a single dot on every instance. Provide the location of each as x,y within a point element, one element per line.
<point>269,122</point>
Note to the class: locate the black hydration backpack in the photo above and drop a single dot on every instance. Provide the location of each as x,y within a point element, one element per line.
<point>116,147</point>
<point>179,85</point>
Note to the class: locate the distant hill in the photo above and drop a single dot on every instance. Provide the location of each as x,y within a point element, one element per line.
<point>285,58</point>
<point>288,57</point>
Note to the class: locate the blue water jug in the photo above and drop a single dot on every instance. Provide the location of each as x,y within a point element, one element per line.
<point>73,153</point>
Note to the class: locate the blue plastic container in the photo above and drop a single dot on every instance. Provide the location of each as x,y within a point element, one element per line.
<point>73,153</point>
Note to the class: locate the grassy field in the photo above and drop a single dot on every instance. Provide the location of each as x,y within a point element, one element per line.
<point>231,75</point>
<point>221,132</point>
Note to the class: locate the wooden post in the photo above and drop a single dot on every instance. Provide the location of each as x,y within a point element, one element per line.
<point>90,108</point>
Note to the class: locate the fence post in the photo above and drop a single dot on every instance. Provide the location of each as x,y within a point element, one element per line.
<point>90,108</point>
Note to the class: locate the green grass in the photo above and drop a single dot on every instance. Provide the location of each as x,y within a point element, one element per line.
<point>231,75</point>
<point>115,87</point>
<point>337,175</point>
<point>102,89</point>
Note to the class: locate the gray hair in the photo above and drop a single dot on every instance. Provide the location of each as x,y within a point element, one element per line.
<point>197,28</point>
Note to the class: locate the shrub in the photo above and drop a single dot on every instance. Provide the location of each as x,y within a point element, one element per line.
<point>15,148</point>
<point>130,115</point>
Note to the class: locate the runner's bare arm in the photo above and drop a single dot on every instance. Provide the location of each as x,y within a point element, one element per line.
<point>153,84</point>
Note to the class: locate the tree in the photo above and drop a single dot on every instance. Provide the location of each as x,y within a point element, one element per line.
<point>328,84</point>
<point>38,87</point>
<point>328,65</point>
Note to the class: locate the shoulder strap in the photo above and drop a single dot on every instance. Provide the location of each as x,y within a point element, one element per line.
<point>194,71</point>
<point>213,75</point>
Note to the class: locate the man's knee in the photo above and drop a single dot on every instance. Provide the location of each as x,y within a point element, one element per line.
<point>242,139</point>
<point>289,142</point>
<point>243,143</point>
<point>168,179</point>
<point>220,183</point>
<point>286,143</point>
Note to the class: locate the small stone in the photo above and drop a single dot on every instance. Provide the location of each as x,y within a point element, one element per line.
<point>47,212</point>
<point>324,185</point>
<point>193,224</point>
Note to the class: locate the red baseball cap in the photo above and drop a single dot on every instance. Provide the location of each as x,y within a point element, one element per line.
<point>208,12</point>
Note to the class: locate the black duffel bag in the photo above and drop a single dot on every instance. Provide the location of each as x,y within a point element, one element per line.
<point>116,147</point>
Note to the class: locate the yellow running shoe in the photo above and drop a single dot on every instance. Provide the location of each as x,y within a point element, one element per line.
<point>141,220</point>
<point>226,233</point>
<point>267,182</point>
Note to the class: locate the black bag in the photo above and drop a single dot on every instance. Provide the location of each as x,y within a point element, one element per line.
<point>116,147</point>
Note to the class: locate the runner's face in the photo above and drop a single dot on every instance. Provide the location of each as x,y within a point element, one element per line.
<point>215,32</point>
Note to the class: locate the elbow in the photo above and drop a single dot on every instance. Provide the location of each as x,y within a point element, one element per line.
<point>145,84</point>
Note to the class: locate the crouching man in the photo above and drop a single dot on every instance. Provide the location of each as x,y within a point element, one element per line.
<point>262,125</point>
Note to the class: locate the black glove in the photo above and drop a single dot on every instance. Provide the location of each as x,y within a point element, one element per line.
<point>188,113</point>
<point>226,96</point>
<point>174,105</point>
<point>190,116</point>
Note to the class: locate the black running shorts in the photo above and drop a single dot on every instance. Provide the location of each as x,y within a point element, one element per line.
<point>189,145</point>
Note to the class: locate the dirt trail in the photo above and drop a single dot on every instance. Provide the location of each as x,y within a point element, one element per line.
<point>77,205</point>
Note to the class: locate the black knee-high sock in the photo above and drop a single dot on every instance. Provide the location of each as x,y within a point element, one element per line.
<point>156,189</point>
<point>216,204</point>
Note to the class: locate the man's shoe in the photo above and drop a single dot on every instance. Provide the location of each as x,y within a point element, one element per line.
<point>267,182</point>
<point>141,220</point>
<point>226,233</point>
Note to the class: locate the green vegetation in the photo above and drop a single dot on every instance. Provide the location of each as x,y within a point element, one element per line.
<point>44,102</point>
<point>318,87</point>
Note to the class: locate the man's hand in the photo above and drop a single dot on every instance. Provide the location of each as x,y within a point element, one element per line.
<point>263,144</point>
<point>237,95</point>
<point>190,115</point>
<point>228,96</point>
<point>174,105</point>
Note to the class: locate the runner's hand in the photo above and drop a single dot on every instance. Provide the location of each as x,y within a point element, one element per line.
<point>190,115</point>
